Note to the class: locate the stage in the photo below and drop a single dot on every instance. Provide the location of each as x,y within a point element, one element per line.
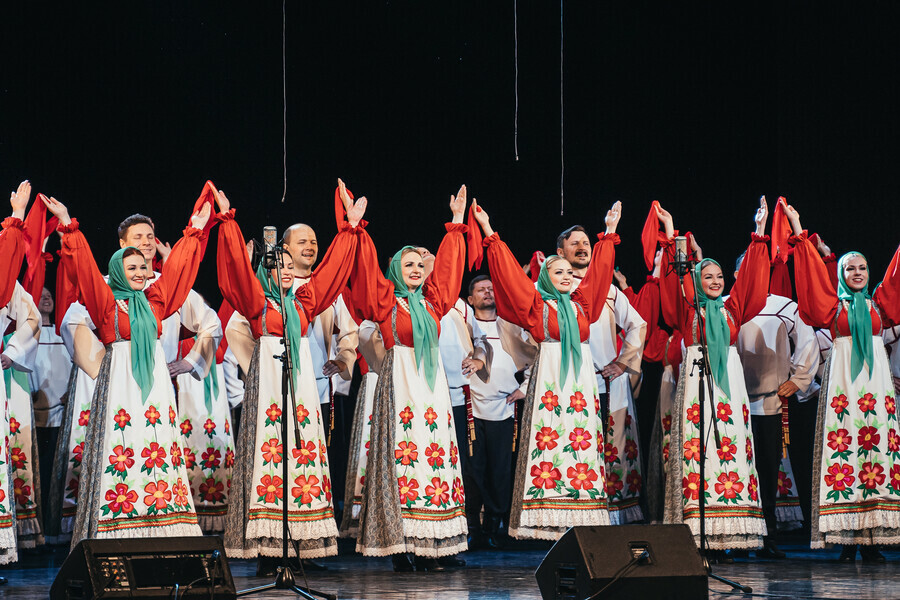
<point>509,575</point>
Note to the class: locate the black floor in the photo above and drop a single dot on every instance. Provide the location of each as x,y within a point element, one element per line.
<point>509,575</point>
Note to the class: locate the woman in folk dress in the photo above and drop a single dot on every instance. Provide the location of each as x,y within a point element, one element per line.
<point>733,515</point>
<point>413,499</point>
<point>254,522</point>
<point>133,480</point>
<point>560,477</point>
<point>856,469</point>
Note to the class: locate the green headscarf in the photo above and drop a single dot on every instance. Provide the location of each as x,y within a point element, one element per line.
<point>13,374</point>
<point>293,325</point>
<point>425,335</point>
<point>569,334</point>
<point>859,318</point>
<point>144,331</point>
<point>718,335</point>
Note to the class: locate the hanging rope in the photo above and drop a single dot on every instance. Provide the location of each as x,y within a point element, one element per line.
<point>562,160</point>
<point>283,99</point>
<point>516,36</point>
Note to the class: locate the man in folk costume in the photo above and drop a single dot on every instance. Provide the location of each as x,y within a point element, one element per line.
<point>623,462</point>
<point>779,355</point>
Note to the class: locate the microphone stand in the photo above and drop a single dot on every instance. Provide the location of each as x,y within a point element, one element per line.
<point>681,267</point>
<point>284,579</point>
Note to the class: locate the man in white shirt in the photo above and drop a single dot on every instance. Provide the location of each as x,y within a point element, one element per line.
<point>780,356</point>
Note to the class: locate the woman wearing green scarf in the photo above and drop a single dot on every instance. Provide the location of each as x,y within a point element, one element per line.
<point>733,514</point>
<point>133,480</point>
<point>413,441</point>
<point>856,476</point>
<point>560,478</point>
<point>253,525</point>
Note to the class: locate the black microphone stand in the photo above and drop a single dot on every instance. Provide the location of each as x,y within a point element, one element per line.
<point>682,267</point>
<point>284,579</point>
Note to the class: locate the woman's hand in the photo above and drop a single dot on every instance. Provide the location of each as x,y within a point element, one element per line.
<point>164,250</point>
<point>762,215</point>
<point>458,205</point>
<point>470,366</point>
<point>357,210</point>
<point>666,219</point>
<point>345,196</point>
<point>19,199</point>
<point>620,280</point>
<point>822,247</point>
<point>794,218</point>
<point>483,219</point>
<point>57,209</point>
<point>698,251</point>
<point>222,202</point>
<point>200,218</point>
<point>612,217</point>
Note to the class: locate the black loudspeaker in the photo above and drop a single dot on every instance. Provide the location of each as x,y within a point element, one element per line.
<point>176,567</point>
<point>585,559</point>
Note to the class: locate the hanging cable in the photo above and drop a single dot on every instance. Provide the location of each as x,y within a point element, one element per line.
<point>283,99</point>
<point>562,160</point>
<point>516,36</point>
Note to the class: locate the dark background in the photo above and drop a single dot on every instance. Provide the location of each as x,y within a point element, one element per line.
<point>115,108</point>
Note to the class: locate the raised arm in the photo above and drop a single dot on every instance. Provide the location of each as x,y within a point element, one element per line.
<point>12,242</point>
<point>237,281</point>
<point>816,294</point>
<point>371,294</point>
<point>887,295</point>
<point>171,288</point>
<point>442,286</point>
<point>594,288</point>
<point>93,290</point>
<point>750,289</point>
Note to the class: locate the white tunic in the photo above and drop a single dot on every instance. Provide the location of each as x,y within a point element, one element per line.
<point>489,398</point>
<point>50,378</point>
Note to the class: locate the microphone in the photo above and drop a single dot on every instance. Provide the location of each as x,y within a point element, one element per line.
<point>270,240</point>
<point>682,263</point>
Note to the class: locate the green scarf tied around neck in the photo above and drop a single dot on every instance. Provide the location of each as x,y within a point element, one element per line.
<point>13,374</point>
<point>211,386</point>
<point>718,335</point>
<point>293,325</point>
<point>859,318</point>
<point>425,334</point>
<point>569,333</point>
<point>144,331</point>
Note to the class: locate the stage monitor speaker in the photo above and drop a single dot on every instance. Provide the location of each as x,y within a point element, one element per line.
<point>585,559</point>
<point>144,568</point>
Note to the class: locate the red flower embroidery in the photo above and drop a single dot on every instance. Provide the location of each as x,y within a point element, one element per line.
<point>784,484</point>
<point>270,489</point>
<point>83,418</point>
<point>302,415</point>
<point>893,441</point>
<point>633,479</point>
<point>307,489</point>
<point>692,449</point>
<point>839,440</point>
<point>305,454</point>
<point>326,485</point>
<point>581,477</point>
<point>868,438</point>
<point>272,451</point>
<point>729,485</point>
<point>227,426</point>
<point>545,475</point>
<point>546,439</point>
<point>628,420</point>
<point>454,454</point>
<point>152,416</point>
<point>867,403</point>
<point>746,413</point>
<point>890,405</point>
<point>435,455</point>
<point>871,475</point>
<point>13,425</point>
<point>121,499</point>
<point>631,449</point>
<point>726,449</point>
<point>438,492</point>
<point>667,423</point>
<point>21,491</point>
<point>723,412</point>
<point>406,453</point>
<point>155,456</point>
<point>753,488</point>
<point>181,493</point>
<point>406,415</point>
<point>172,416</point>
<point>211,458</point>
<point>273,413</point>
<point>189,459</point>
<point>78,452</point>
<point>157,494</point>
<point>408,490</point>
<point>459,494</point>
<point>430,415</point>
<point>839,403</point>
<point>580,439</point>
<point>122,419</point>
<point>121,458</point>
<point>610,454</point>
<point>693,413</point>
<point>175,454</point>
<point>186,428</point>
<point>550,400</point>
<point>895,478</point>
<point>229,458</point>
<point>749,449</point>
<point>839,476</point>
<point>614,485</point>
<point>209,427</point>
<point>212,490</point>
<point>17,458</point>
<point>577,402</point>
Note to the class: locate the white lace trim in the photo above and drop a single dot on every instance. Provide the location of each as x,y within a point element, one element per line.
<point>728,527</point>
<point>530,533</point>
<point>176,530</point>
<point>562,518</point>
<point>312,530</point>
<point>435,530</point>
<point>275,552</point>
<point>28,527</point>
<point>402,548</point>
<point>889,538</point>
<point>8,552</point>
<point>848,523</point>
<point>788,517</point>
<point>625,515</point>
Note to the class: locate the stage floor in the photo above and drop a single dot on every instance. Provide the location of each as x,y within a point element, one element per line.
<point>509,575</point>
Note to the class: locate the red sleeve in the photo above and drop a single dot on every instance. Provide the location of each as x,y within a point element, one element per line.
<point>330,277</point>
<point>516,298</point>
<point>171,288</point>
<point>831,263</point>
<point>35,276</point>
<point>442,286</point>
<point>646,303</point>
<point>92,288</point>
<point>630,295</point>
<point>370,292</point>
<point>12,251</point>
<point>66,290</point>
<point>887,295</point>
<point>237,281</point>
<point>751,288</point>
<point>594,288</point>
<point>675,309</point>
<point>816,296</point>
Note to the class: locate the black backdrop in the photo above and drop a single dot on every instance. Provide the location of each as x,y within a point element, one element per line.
<point>116,108</point>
